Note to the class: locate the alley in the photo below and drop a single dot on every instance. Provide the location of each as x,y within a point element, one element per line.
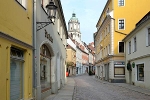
<point>89,88</point>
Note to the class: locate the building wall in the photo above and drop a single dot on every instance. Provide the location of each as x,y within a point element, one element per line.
<point>141,56</point>
<point>16,24</point>
<point>19,26</point>
<point>133,7</point>
<point>57,48</point>
<point>71,55</point>
<point>116,35</point>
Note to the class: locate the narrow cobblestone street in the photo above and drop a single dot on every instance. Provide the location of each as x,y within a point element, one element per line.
<point>89,88</point>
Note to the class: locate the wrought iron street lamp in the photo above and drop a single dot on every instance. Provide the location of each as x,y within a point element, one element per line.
<point>51,11</point>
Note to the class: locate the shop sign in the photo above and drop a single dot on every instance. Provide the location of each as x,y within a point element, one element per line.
<point>48,36</point>
<point>119,63</point>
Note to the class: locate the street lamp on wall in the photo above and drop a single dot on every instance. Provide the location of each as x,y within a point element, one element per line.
<point>51,11</point>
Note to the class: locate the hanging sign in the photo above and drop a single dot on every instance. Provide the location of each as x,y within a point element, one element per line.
<point>133,64</point>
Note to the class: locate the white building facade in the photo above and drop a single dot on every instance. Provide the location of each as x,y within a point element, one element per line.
<point>137,47</point>
<point>78,61</point>
<point>50,51</point>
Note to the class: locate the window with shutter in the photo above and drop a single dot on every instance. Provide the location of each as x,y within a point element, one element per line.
<point>16,74</point>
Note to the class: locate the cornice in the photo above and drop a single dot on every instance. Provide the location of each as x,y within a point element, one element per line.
<point>12,39</point>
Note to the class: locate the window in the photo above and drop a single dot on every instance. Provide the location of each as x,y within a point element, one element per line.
<point>45,68</point>
<point>121,2</point>
<point>119,71</point>
<point>107,10</point>
<point>148,36</point>
<point>106,50</point>
<point>71,35</point>
<point>22,2</point>
<point>121,23</point>
<point>109,49</point>
<point>140,72</point>
<point>129,48</point>
<point>16,74</point>
<point>109,28</point>
<point>58,25</point>
<point>134,47</point>
<point>121,47</point>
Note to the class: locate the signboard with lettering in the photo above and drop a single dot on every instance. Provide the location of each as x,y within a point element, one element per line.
<point>119,63</point>
<point>47,35</point>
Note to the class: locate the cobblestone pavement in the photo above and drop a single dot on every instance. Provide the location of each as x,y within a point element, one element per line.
<point>88,88</point>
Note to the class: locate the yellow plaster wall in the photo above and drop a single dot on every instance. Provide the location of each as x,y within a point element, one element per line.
<point>15,20</point>
<point>132,12</point>
<point>70,55</point>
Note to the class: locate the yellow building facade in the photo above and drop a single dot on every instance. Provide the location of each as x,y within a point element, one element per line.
<point>71,60</point>
<point>118,18</point>
<point>16,49</point>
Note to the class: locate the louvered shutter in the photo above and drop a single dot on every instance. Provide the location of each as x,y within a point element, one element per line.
<point>15,80</point>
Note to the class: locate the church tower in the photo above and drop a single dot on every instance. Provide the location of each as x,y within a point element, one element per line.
<point>74,28</point>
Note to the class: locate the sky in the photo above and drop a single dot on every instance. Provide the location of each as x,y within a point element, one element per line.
<point>87,12</point>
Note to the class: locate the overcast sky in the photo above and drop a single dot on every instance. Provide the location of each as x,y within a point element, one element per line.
<point>87,12</point>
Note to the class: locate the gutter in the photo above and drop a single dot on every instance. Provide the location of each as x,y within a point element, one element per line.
<point>34,50</point>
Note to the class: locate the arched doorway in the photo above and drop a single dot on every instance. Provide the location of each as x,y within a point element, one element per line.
<point>45,68</point>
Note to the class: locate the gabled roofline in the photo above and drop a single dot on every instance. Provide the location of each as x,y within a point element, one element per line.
<point>103,12</point>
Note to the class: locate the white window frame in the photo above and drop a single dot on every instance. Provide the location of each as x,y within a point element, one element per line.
<point>23,3</point>
<point>137,69</point>
<point>129,47</point>
<point>119,24</point>
<point>121,1</point>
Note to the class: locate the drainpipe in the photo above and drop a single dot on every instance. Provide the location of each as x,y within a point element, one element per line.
<point>34,51</point>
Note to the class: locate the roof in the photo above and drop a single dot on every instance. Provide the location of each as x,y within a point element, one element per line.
<point>73,18</point>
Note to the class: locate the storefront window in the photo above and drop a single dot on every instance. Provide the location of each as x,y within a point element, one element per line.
<point>140,72</point>
<point>45,68</point>
<point>119,71</point>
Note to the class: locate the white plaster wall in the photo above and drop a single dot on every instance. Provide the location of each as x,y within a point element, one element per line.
<point>142,50</point>
<point>55,47</point>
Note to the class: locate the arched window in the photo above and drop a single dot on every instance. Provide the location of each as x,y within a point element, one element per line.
<point>45,68</point>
